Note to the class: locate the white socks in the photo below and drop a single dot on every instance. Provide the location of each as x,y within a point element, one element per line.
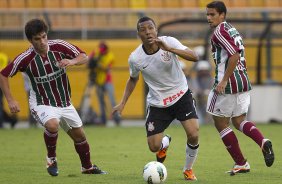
<point>191,155</point>
<point>165,142</point>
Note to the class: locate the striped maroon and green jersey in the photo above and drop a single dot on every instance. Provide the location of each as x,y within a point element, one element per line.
<point>226,41</point>
<point>49,83</point>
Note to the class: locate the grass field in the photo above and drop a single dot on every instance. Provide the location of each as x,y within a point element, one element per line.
<point>123,151</point>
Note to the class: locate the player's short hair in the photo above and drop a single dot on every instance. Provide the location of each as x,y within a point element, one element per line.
<point>35,26</point>
<point>219,6</point>
<point>144,19</point>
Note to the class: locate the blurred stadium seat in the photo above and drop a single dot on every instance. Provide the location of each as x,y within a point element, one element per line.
<point>34,4</point>
<point>155,4</point>
<point>4,4</point>
<point>134,4</point>
<point>273,3</point>
<point>120,4</point>
<point>238,3</point>
<point>10,21</point>
<point>203,3</point>
<point>172,4</point>
<point>138,4</point>
<point>256,3</point>
<point>189,4</point>
<point>103,4</point>
<point>52,4</point>
<point>227,3</point>
<point>69,4</point>
<point>17,4</point>
<point>86,4</point>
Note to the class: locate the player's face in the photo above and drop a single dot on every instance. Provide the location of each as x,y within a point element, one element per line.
<point>214,18</point>
<point>147,32</point>
<point>40,43</point>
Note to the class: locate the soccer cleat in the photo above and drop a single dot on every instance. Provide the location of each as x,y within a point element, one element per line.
<point>93,170</point>
<point>161,154</point>
<point>267,152</point>
<point>189,175</point>
<point>52,167</point>
<point>240,169</point>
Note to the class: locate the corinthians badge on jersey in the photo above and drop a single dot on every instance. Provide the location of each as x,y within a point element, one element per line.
<point>166,56</point>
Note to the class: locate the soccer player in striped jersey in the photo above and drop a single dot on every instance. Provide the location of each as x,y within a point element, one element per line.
<point>230,97</point>
<point>45,63</point>
<point>169,97</point>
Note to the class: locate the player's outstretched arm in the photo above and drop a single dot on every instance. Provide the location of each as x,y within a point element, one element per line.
<point>4,85</point>
<point>130,86</point>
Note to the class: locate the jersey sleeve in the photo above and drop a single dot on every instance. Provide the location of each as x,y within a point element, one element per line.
<point>20,63</point>
<point>69,49</point>
<point>226,41</point>
<point>133,70</point>
<point>10,70</point>
<point>173,42</point>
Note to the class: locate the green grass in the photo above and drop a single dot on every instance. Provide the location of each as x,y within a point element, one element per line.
<point>123,152</point>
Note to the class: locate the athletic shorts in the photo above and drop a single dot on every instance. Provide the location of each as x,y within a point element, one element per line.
<point>158,119</point>
<point>228,105</point>
<point>67,116</point>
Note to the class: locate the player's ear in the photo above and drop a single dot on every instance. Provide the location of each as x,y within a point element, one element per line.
<point>222,15</point>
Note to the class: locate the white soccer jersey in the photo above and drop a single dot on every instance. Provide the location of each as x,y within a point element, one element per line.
<point>162,73</point>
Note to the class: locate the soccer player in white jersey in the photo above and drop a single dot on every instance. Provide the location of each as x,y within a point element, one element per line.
<point>45,63</point>
<point>169,97</point>
<point>230,97</point>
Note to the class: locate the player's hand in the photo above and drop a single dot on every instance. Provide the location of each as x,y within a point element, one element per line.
<point>118,109</point>
<point>161,44</point>
<point>66,63</point>
<point>220,88</point>
<point>14,106</point>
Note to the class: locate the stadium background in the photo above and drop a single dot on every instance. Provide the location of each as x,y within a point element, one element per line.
<point>86,22</point>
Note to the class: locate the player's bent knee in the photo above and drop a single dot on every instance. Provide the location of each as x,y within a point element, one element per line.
<point>193,138</point>
<point>154,148</point>
<point>52,126</point>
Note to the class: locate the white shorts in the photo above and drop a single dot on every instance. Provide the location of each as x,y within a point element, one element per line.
<point>228,105</point>
<point>67,116</point>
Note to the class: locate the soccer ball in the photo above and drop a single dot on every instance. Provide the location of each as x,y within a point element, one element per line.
<point>154,172</point>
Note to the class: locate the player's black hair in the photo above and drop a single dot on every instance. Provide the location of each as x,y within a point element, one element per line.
<point>219,6</point>
<point>143,19</point>
<point>35,26</point>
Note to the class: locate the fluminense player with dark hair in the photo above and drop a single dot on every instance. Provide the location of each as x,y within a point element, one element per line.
<point>230,97</point>
<point>169,97</point>
<point>45,63</point>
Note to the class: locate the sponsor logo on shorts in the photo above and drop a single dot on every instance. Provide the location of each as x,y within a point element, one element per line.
<point>188,114</point>
<point>43,115</point>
